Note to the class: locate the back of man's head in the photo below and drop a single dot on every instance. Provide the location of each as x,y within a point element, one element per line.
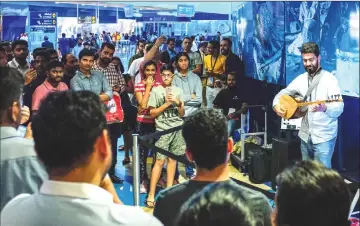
<point>311,194</point>
<point>217,204</point>
<point>11,85</point>
<point>66,128</point>
<point>206,138</point>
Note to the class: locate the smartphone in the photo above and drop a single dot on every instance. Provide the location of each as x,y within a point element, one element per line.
<point>168,90</point>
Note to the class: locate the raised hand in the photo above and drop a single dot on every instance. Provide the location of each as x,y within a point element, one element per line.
<point>30,76</point>
<point>149,82</point>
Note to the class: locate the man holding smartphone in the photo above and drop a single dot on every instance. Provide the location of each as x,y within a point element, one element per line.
<point>36,76</point>
<point>167,107</point>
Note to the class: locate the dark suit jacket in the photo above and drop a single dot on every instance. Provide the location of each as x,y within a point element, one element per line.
<point>47,44</point>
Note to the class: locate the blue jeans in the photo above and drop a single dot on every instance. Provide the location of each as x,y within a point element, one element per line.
<point>321,152</point>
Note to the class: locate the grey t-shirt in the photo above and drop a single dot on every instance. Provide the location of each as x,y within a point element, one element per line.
<point>170,118</point>
<point>169,201</point>
<point>195,59</point>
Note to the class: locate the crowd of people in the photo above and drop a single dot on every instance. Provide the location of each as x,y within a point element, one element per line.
<point>66,161</point>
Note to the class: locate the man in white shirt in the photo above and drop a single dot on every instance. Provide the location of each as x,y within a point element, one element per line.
<point>319,126</point>
<point>20,49</point>
<point>134,70</point>
<point>72,140</point>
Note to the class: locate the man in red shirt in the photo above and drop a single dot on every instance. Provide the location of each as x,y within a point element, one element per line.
<point>52,83</point>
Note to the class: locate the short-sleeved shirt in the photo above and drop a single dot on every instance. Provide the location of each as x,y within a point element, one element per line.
<point>43,90</point>
<point>195,59</point>
<point>170,117</point>
<point>169,201</point>
<point>95,82</point>
<point>112,75</point>
<point>144,115</point>
<point>217,65</point>
<point>228,98</point>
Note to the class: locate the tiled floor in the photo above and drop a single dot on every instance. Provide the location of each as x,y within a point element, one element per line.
<point>125,190</point>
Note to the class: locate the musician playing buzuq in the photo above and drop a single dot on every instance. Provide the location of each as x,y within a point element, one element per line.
<point>319,90</point>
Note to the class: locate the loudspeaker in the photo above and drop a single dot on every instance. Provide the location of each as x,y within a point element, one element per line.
<point>279,159</point>
<point>260,165</point>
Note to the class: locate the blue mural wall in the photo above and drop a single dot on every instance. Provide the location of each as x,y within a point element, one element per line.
<point>269,40</point>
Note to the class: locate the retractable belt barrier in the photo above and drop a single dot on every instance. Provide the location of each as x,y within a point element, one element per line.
<point>144,140</point>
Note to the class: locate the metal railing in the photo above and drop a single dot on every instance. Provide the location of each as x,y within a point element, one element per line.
<point>136,170</point>
<point>243,134</point>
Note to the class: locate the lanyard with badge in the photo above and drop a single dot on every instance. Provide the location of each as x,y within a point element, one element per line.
<point>210,81</point>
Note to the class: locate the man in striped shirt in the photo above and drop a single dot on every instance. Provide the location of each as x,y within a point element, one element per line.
<point>104,65</point>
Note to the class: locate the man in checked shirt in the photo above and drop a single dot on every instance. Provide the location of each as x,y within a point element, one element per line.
<point>117,83</point>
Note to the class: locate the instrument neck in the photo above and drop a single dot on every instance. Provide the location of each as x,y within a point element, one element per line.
<point>303,104</point>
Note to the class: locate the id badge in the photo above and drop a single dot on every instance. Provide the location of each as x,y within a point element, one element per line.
<point>210,81</point>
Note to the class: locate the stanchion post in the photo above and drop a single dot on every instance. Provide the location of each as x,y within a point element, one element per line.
<point>136,170</point>
<point>242,136</point>
<point>265,134</point>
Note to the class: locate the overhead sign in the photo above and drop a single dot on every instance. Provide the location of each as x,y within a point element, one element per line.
<point>45,29</point>
<point>43,19</point>
<point>87,20</point>
<point>129,11</point>
<point>163,19</point>
<point>185,10</point>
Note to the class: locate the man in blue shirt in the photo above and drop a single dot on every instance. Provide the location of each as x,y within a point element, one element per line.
<point>86,79</point>
<point>95,81</point>
<point>21,170</point>
<point>64,44</point>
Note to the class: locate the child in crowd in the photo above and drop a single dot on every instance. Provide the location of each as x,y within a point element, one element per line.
<point>145,123</point>
<point>167,107</point>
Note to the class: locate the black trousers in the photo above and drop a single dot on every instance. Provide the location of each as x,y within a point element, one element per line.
<point>144,129</point>
<point>115,131</point>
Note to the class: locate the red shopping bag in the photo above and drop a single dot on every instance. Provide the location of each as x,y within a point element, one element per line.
<point>115,113</point>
